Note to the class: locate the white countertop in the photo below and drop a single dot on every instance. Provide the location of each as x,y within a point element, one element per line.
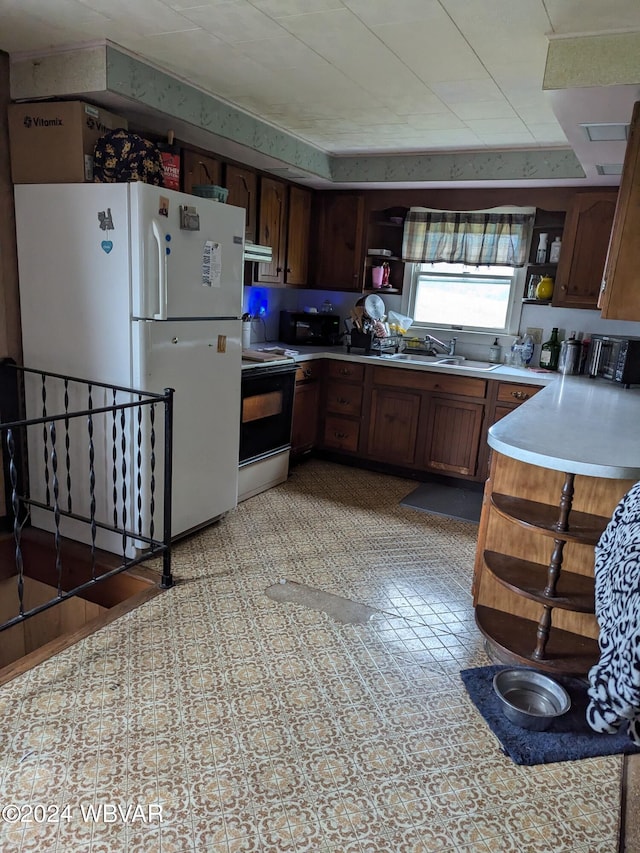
<point>577,425</point>
<point>309,353</point>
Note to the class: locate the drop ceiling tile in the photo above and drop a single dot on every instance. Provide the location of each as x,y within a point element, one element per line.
<point>496,125</point>
<point>550,134</point>
<point>345,42</point>
<point>437,121</point>
<point>506,140</point>
<point>462,91</point>
<point>283,51</point>
<point>427,47</point>
<point>287,8</point>
<point>499,31</point>
<point>592,16</point>
<point>234,22</point>
<point>144,16</point>
<point>472,110</point>
<point>422,102</point>
<point>63,13</point>
<point>376,12</point>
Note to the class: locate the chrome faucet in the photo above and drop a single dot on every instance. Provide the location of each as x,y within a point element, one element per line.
<point>446,347</point>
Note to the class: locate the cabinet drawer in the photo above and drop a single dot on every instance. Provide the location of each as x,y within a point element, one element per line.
<point>346,370</point>
<point>422,380</point>
<point>344,398</point>
<point>308,371</point>
<point>341,434</point>
<point>509,392</point>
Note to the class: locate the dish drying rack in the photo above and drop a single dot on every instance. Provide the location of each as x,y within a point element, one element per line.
<point>371,343</point>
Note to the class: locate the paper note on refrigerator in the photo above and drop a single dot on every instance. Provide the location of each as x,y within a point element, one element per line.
<point>212,264</point>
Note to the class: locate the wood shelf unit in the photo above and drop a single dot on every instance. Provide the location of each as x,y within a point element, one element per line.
<point>584,527</point>
<point>533,583</point>
<point>524,577</point>
<point>565,653</point>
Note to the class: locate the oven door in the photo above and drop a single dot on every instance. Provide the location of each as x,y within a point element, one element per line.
<point>267,406</point>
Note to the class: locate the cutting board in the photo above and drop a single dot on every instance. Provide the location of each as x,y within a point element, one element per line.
<point>258,355</point>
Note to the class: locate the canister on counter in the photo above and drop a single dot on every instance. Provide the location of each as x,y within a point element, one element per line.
<point>569,361</point>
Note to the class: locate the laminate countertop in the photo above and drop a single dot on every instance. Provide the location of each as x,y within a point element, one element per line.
<point>577,425</point>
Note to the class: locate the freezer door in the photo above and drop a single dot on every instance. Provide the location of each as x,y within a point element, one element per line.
<point>187,255</point>
<point>201,361</point>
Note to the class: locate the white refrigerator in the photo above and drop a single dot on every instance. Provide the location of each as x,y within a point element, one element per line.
<point>140,286</point>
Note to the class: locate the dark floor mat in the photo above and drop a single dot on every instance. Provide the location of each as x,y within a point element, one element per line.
<point>440,499</point>
<point>569,737</point>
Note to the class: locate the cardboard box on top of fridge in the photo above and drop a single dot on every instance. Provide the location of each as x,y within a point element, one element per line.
<point>52,141</point>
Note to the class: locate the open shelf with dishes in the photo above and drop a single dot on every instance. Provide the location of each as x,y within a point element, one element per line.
<point>385,230</point>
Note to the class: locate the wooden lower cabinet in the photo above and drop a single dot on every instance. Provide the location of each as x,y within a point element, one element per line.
<point>430,422</point>
<point>304,428</point>
<point>343,406</point>
<point>452,436</point>
<point>393,426</point>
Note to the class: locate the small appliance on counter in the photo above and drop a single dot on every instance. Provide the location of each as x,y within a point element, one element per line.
<point>614,358</point>
<point>301,327</point>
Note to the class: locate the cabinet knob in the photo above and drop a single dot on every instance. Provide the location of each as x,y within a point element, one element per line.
<point>288,269</point>
<point>340,434</point>
<point>344,371</point>
<point>343,401</point>
<point>520,395</point>
<point>278,269</point>
<point>307,373</point>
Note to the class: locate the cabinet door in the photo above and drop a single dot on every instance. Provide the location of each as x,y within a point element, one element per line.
<point>298,236</point>
<point>340,237</point>
<point>393,426</point>
<point>199,169</point>
<point>452,436</point>
<point>620,293</point>
<point>584,250</point>
<point>304,429</point>
<point>272,229</point>
<point>243,192</point>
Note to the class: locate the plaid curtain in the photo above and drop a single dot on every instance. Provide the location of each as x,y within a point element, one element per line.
<point>472,238</point>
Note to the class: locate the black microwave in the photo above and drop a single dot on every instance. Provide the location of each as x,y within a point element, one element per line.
<point>614,358</point>
<point>301,327</point>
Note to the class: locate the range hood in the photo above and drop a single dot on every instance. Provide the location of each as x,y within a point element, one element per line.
<point>254,252</point>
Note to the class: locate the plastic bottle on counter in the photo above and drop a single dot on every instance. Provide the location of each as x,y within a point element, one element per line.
<point>326,307</point>
<point>541,254</point>
<point>550,351</point>
<point>495,352</point>
<point>527,349</point>
<point>554,251</point>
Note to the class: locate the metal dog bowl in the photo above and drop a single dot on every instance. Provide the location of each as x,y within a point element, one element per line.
<point>530,699</point>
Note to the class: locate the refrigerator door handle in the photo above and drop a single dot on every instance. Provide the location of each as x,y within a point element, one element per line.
<point>162,275</point>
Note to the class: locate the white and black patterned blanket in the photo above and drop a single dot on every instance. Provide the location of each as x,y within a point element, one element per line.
<point>614,682</point>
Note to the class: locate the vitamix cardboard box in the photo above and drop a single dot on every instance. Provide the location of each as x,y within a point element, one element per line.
<point>52,141</point>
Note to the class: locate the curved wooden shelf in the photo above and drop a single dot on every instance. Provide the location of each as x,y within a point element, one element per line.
<point>574,592</point>
<point>584,528</point>
<point>515,638</point>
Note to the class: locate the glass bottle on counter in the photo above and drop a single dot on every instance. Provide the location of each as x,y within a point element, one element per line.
<point>550,351</point>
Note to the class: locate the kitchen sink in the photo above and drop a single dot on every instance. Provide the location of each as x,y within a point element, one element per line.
<point>455,361</point>
<point>415,357</point>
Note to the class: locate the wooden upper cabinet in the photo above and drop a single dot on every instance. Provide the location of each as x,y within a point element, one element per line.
<point>339,241</point>
<point>298,236</point>
<point>585,240</point>
<point>199,169</point>
<point>243,192</point>
<point>620,292</point>
<point>272,229</point>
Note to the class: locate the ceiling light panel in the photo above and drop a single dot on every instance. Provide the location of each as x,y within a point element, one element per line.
<point>607,132</point>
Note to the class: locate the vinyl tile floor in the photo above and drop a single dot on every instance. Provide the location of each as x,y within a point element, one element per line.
<point>214,719</point>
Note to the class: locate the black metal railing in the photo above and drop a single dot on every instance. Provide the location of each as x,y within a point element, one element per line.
<point>88,462</point>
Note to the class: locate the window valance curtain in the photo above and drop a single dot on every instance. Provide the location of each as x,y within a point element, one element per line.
<point>473,238</point>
